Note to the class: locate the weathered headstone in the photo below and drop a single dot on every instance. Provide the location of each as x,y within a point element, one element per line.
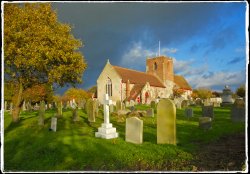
<point>111,108</point>
<point>208,111</point>
<point>118,105</point>
<point>205,122</point>
<point>11,107</point>
<point>29,107</point>
<point>238,111</point>
<point>189,112</point>
<point>134,130</point>
<point>90,109</point>
<point>184,103</point>
<point>106,130</point>
<point>75,112</point>
<point>150,112</point>
<point>41,113</point>
<point>227,96</point>
<point>53,124</point>
<point>24,106</point>
<point>82,103</point>
<point>166,122</point>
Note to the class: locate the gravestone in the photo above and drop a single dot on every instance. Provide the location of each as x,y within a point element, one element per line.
<point>106,131</point>
<point>90,109</point>
<point>127,104</point>
<point>227,95</point>
<point>96,108</point>
<point>68,105</point>
<point>59,109</point>
<point>208,111</point>
<point>111,108</point>
<point>53,124</point>
<point>132,108</point>
<point>189,112</point>
<point>132,103</point>
<point>41,113</point>
<point>205,122</point>
<point>24,106</point>
<point>166,122</point>
<point>238,111</point>
<point>198,102</point>
<point>134,130</point>
<point>150,112</point>
<point>29,107</point>
<point>118,105</point>
<point>207,102</point>
<point>184,103</point>
<point>82,103</point>
<point>75,112</point>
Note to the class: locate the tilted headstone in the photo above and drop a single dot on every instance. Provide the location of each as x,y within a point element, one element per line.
<point>11,107</point>
<point>208,111</point>
<point>106,131</point>
<point>166,122</point>
<point>238,113</point>
<point>53,124</point>
<point>150,112</point>
<point>41,113</point>
<point>90,109</point>
<point>205,122</point>
<point>189,112</point>
<point>134,130</point>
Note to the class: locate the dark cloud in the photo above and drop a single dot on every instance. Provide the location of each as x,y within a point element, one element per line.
<point>236,60</point>
<point>109,29</point>
<point>208,75</point>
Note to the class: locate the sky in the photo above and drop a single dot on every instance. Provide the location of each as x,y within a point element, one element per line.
<point>207,41</point>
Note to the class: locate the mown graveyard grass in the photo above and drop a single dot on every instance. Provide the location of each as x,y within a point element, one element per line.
<point>29,147</point>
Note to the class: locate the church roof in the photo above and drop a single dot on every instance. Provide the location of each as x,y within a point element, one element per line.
<point>137,77</point>
<point>181,82</point>
<point>135,92</point>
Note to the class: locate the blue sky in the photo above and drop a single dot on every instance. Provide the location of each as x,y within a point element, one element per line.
<point>206,40</point>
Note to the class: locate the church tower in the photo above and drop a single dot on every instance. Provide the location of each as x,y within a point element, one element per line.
<point>161,67</point>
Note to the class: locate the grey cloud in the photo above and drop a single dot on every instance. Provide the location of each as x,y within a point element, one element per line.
<point>235,60</point>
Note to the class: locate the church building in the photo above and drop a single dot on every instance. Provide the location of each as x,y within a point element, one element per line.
<point>125,84</point>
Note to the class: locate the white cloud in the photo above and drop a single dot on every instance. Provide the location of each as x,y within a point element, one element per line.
<point>216,79</point>
<point>137,54</point>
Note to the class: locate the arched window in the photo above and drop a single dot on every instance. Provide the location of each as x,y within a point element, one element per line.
<point>155,66</point>
<point>109,87</point>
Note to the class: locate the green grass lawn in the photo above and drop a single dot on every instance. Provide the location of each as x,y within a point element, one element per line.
<point>28,147</point>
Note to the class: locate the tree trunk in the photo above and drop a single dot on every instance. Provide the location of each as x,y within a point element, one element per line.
<point>18,102</point>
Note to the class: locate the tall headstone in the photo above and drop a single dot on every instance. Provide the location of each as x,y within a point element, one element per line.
<point>118,105</point>
<point>189,112</point>
<point>24,106</point>
<point>134,130</point>
<point>41,113</point>
<point>90,109</point>
<point>106,131</point>
<point>238,111</point>
<point>208,111</point>
<point>11,107</point>
<point>53,124</point>
<point>166,122</point>
<point>75,112</point>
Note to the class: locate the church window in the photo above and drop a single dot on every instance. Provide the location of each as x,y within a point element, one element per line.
<point>109,87</point>
<point>155,66</point>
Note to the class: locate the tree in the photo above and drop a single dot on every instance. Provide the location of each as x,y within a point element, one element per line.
<point>177,92</point>
<point>241,91</point>
<point>77,94</point>
<point>38,50</point>
<point>203,93</point>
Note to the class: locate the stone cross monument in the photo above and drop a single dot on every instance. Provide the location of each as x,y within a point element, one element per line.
<point>106,131</point>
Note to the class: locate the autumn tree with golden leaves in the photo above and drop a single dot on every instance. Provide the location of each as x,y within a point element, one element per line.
<point>38,50</point>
